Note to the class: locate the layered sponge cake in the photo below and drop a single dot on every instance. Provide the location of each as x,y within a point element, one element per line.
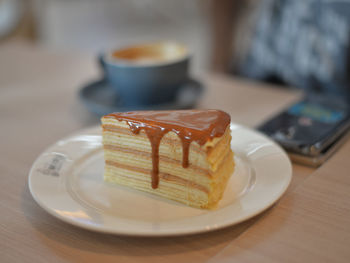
<point>181,155</point>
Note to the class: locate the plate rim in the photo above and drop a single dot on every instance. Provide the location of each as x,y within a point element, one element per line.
<point>176,232</point>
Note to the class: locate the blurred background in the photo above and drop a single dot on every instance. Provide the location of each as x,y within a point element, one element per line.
<point>302,44</point>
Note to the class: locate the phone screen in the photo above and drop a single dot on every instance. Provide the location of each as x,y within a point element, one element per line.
<point>310,125</point>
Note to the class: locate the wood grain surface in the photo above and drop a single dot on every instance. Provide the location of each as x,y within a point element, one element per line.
<point>39,105</point>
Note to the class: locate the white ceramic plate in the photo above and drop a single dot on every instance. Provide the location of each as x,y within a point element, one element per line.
<point>67,181</point>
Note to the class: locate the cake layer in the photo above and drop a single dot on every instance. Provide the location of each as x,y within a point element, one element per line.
<point>169,166</point>
<point>204,194</point>
<point>189,196</point>
<point>198,176</point>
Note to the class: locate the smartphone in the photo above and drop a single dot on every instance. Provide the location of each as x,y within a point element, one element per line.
<point>311,129</point>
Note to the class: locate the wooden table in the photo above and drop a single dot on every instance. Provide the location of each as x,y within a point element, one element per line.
<point>39,105</point>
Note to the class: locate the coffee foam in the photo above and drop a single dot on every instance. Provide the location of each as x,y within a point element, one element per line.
<point>150,53</point>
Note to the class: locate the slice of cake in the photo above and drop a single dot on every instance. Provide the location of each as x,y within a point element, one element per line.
<point>181,155</point>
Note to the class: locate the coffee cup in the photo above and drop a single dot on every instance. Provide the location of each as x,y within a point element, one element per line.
<point>147,74</point>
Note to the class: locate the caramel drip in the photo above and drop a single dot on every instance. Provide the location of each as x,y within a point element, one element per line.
<point>190,125</point>
<point>185,152</point>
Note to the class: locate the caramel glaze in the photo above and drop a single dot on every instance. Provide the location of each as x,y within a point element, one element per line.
<point>190,125</point>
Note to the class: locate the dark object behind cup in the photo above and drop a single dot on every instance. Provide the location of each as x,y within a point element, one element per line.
<point>145,84</point>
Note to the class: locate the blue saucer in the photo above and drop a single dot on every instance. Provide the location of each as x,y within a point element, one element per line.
<point>100,98</point>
